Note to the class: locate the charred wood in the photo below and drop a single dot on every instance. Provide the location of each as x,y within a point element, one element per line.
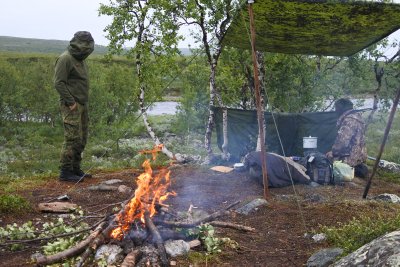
<point>209,218</point>
<point>167,233</point>
<point>157,240</point>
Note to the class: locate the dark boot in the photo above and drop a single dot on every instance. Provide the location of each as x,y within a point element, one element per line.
<point>81,173</point>
<point>69,176</point>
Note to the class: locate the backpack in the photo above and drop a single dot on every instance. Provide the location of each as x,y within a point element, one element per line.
<point>319,168</point>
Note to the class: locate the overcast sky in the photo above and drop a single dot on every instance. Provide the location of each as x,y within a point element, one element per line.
<point>52,19</point>
<point>60,19</point>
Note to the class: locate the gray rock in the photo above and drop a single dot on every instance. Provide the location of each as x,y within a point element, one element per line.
<point>111,253</point>
<point>176,248</point>
<point>103,187</point>
<point>314,184</point>
<point>253,205</point>
<point>124,189</point>
<point>319,238</point>
<point>324,257</point>
<point>316,198</point>
<point>392,198</point>
<point>383,251</point>
<point>112,181</point>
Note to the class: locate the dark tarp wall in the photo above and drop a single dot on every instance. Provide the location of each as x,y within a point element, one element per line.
<point>292,127</point>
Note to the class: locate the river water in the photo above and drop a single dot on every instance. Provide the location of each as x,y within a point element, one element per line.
<point>163,108</point>
<point>170,107</point>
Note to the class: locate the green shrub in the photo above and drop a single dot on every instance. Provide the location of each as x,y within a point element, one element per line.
<point>359,232</point>
<point>13,204</point>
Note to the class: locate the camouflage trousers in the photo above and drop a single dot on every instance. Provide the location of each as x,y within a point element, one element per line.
<point>75,135</point>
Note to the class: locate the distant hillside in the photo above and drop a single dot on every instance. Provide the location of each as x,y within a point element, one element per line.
<point>31,45</point>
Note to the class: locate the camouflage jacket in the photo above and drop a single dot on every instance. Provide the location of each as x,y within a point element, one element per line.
<point>349,145</point>
<point>71,73</point>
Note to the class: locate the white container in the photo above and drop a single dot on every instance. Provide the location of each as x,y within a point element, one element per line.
<point>310,142</point>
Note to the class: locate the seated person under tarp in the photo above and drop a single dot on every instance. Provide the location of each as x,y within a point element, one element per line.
<point>349,145</point>
<point>280,170</point>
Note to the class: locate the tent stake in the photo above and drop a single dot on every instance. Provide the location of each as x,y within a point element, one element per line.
<point>260,114</point>
<point>385,136</point>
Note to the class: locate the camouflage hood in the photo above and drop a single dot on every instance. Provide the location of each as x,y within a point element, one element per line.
<point>81,45</point>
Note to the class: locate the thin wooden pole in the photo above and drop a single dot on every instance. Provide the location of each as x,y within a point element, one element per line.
<point>260,114</point>
<point>385,136</point>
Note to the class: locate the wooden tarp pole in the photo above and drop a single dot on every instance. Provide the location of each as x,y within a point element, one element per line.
<point>385,136</point>
<point>260,114</point>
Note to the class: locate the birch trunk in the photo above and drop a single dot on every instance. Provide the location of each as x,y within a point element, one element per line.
<point>221,26</point>
<point>211,115</point>
<point>210,124</point>
<point>143,111</point>
<point>225,153</point>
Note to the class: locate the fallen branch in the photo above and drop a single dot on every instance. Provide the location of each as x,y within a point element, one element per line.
<point>24,241</point>
<point>71,252</point>
<point>157,239</point>
<point>208,218</point>
<point>232,205</point>
<point>100,239</point>
<point>233,226</point>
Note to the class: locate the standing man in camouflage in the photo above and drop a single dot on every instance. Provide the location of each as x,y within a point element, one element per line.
<point>72,83</point>
<point>349,145</point>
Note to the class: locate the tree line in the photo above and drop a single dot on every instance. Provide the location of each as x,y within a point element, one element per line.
<point>295,84</point>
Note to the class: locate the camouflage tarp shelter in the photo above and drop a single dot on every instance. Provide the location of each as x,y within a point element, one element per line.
<point>311,27</point>
<point>314,27</point>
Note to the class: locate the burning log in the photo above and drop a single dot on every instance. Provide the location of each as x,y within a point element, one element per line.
<point>151,190</point>
<point>157,239</point>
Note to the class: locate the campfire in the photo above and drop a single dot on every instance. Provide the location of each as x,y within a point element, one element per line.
<point>151,191</point>
<point>143,224</point>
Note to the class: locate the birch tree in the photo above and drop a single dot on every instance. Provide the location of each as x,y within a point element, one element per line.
<point>212,18</point>
<point>146,31</point>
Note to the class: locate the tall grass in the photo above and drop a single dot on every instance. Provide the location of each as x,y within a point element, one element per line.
<point>30,152</point>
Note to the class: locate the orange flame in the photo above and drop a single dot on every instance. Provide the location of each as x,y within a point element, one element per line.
<point>151,190</point>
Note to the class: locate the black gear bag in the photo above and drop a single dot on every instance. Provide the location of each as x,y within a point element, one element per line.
<point>319,167</point>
